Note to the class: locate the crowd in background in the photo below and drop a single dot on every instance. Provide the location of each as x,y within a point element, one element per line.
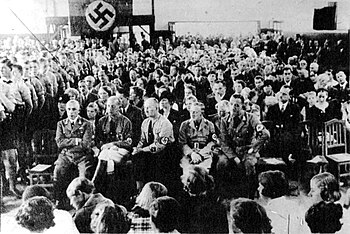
<point>278,82</point>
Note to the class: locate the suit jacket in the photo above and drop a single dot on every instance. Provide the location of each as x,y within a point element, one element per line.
<point>179,92</point>
<point>342,93</point>
<point>134,114</point>
<point>66,137</point>
<point>211,102</point>
<point>202,88</point>
<point>293,85</point>
<point>288,119</point>
<point>301,86</point>
<point>91,97</point>
<point>175,119</point>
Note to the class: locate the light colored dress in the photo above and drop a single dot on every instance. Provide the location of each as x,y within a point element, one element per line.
<point>287,215</point>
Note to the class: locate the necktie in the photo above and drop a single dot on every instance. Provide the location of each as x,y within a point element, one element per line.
<point>150,133</point>
<point>236,121</point>
<point>196,124</point>
<point>283,108</point>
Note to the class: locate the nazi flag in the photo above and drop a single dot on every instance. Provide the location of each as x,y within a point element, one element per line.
<point>100,15</point>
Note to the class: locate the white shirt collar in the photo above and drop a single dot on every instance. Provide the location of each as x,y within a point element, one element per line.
<point>284,105</point>
<point>127,107</point>
<point>343,85</point>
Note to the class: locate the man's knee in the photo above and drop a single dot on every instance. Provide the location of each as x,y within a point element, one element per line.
<point>222,163</point>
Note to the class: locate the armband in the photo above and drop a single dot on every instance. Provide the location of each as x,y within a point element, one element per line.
<point>260,127</point>
<point>164,140</point>
<point>153,149</point>
<point>129,141</point>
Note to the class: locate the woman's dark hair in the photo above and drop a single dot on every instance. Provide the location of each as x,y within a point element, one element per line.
<point>107,89</point>
<point>251,94</point>
<point>36,214</point>
<point>238,96</point>
<point>159,72</point>
<point>241,82</point>
<point>321,90</point>
<point>191,87</point>
<point>165,212</point>
<point>249,216</point>
<point>138,91</point>
<point>144,81</point>
<point>109,219</point>
<point>275,184</point>
<point>324,217</point>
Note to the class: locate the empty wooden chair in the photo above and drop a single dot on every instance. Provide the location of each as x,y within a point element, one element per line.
<point>335,148</point>
<point>44,154</point>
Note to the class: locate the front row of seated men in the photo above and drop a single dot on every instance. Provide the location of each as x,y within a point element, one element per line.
<point>156,156</point>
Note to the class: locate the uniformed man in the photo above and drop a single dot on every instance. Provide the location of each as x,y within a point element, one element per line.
<point>73,138</point>
<point>47,108</point>
<point>47,75</point>
<point>30,77</point>
<point>150,155</point>
<point>196,137</point>
<point>242,136</point>
<point>24,106</point>
<point>114,139</point>
<point>45,81</point>
<point>7,137</point>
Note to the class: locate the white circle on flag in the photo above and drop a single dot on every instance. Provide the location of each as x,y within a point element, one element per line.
<point>100,15</point>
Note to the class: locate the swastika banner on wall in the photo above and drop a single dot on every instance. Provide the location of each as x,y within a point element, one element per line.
<point>100,15</point>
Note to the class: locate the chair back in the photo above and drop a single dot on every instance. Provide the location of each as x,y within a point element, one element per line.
<point>44,146</point>
<point>334,138</point>
<point>311,135</point>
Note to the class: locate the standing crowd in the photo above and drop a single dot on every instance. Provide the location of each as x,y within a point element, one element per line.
<point>167,138</point>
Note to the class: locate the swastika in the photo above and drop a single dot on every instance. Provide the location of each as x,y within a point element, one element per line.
<point>101,15</point>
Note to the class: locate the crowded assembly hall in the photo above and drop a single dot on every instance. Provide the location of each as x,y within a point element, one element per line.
<point>236,134</point>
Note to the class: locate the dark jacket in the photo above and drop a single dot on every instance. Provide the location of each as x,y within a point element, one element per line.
<point>91,97</point>
<point>134,114</point>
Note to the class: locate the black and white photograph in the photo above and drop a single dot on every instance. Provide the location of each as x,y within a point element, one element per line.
<point>175,116</point>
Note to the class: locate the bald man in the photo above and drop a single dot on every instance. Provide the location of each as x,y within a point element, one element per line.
<point>151,153</point>
<point>73,138</point>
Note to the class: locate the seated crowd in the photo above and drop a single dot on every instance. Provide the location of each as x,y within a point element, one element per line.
<point>168,138</point>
